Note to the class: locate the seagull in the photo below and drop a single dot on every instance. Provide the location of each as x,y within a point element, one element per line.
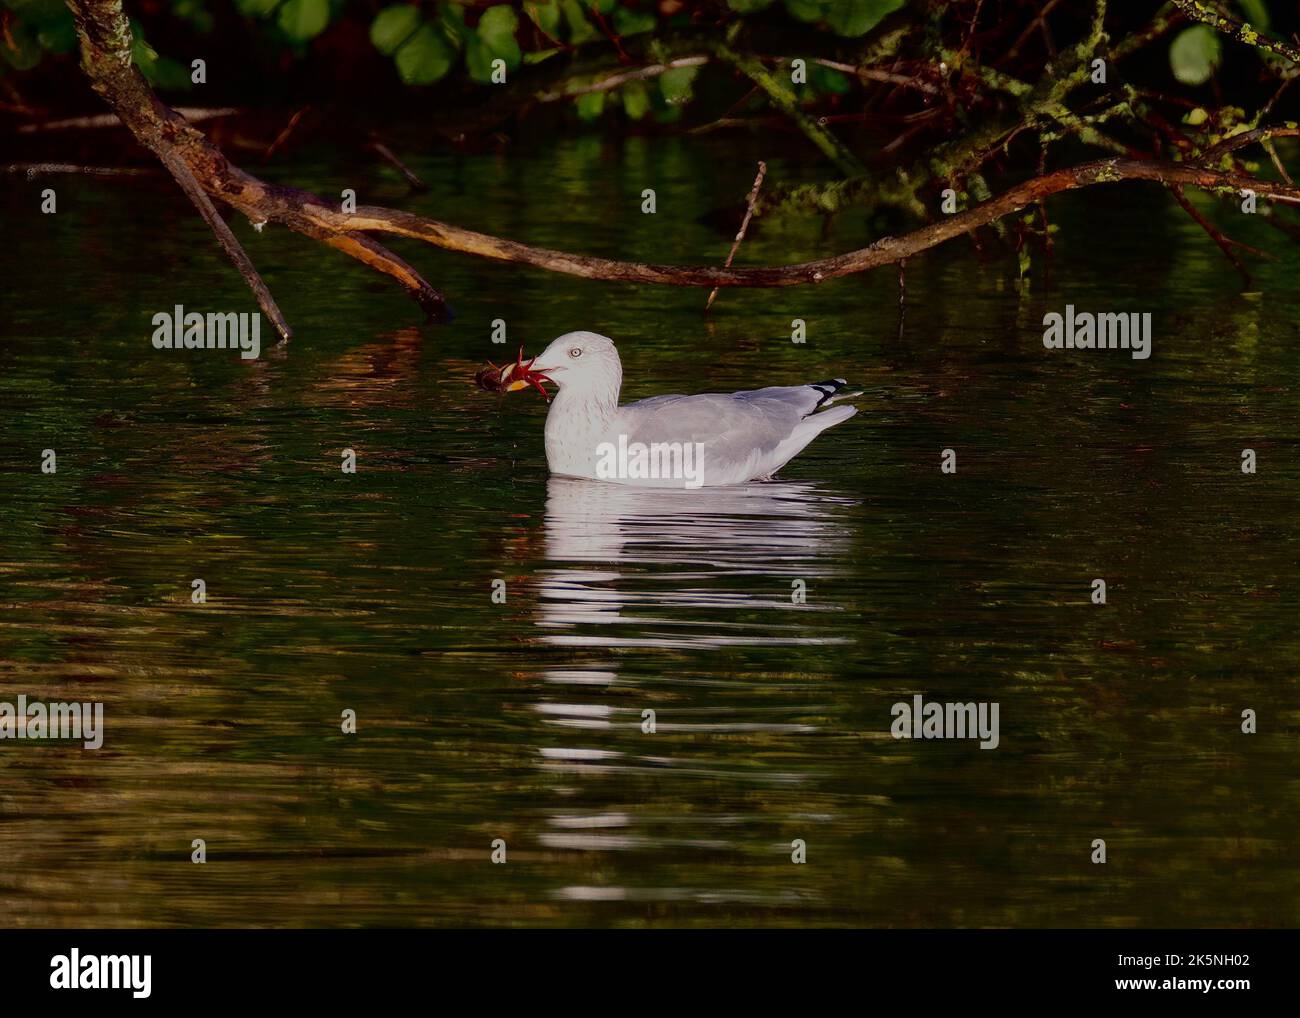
<point>707,440</point>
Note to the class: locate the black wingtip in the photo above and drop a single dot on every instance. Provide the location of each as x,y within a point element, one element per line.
<point>829,389</point>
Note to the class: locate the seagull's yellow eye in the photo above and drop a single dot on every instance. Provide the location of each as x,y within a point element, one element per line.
<point>576,352</point>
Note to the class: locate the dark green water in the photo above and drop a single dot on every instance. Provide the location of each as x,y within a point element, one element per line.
<point>522,721</point>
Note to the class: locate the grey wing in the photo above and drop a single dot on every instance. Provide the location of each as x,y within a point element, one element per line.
<point>802,400</point>
<point>733,427</point>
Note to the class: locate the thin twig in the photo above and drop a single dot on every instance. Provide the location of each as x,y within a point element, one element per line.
<point>1226,243</point>
<point>43,169</point>
<point>744,225</point>
<point>614,80</point>
<point>193,115</point>
<point>387,154</point>
<point>1267,108</point>
<point>1268,147</point>
<point>1014,51</point>
<point>229,243</point>
<point>871,74</point>
<point>974,21</point>
<point>1245,138</point>
<point>1165,18</point>
<point>287,130</point>
<point>788,103</point>
<point>609,34</point>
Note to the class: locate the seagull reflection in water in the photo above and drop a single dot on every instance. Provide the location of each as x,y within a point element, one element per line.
<point>667,565</point>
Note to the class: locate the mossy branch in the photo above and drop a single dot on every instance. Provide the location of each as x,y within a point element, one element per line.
<point>1240,30</point>
<point>785,100</point>
<point>951,162</point>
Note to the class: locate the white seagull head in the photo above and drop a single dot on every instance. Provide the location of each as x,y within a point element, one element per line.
<point>583,363</point>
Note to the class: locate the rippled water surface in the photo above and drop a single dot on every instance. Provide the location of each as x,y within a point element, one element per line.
<point>524,721</point>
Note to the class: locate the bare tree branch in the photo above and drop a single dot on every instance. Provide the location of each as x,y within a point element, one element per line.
<point>1260,134</point>
<point>884,252</point>
<point>178,169</point>
<point>105,37</point>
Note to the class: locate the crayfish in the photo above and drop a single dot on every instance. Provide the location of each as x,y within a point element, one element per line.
<point>512,376</point>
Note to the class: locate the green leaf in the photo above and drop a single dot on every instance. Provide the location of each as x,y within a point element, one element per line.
<point>604,6</point>
<point>675,85</point>
<point>478,60</point>
<point>827,80</point>
<point>424,58</point>
<point>195,13</point>
<point>304,19</point>
<point>393,26</point>
<point>37,12</point>
<point>142,54</point>
<point>59,36</point>
<point>807,10</point>
<point>257,8</point>
<point>580,29</point>
<point>24,52</point>
<point>857,17</point>
<point>451,21</point>
<point>171,76</point>
<point>537,56</point>
<point>591,105</point>
<point>1256,12</point>
<point>636,99</point>
<point>748,6</point>
<point>628,22</point>
<point>1194,54</point>
<point>546,16</point>
<point>497,28</point>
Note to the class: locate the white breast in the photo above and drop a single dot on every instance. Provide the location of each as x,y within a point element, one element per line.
<point>575,427</point>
